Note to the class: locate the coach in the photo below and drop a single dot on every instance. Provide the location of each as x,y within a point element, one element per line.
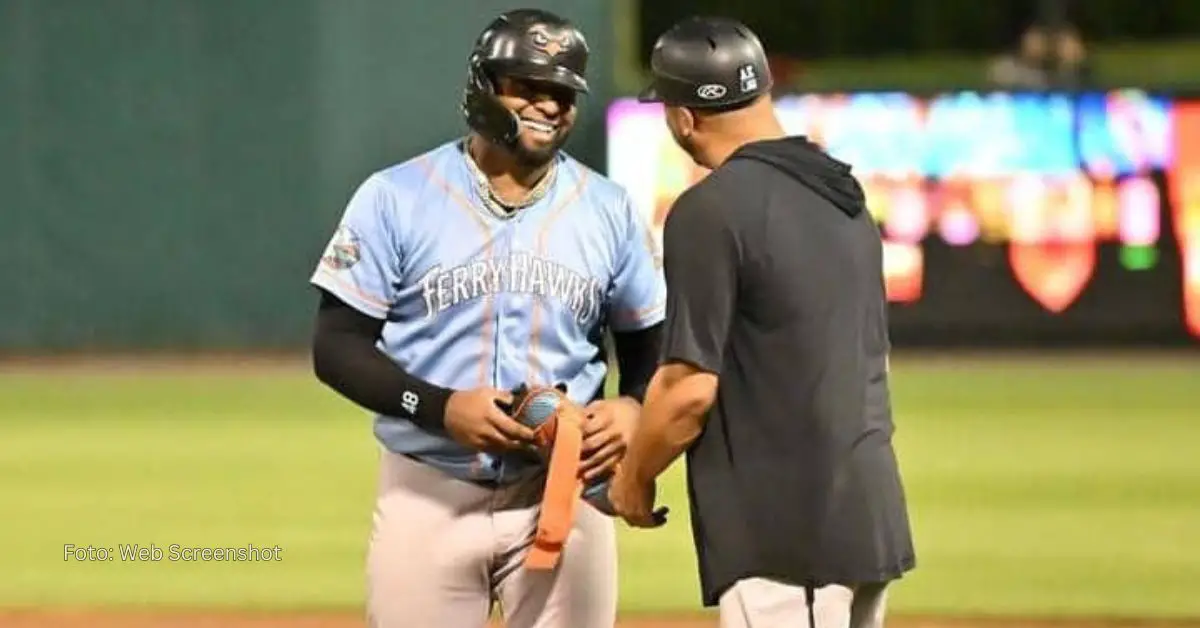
<point>774,376</point>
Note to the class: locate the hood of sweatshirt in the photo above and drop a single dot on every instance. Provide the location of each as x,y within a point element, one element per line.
<point>801,159</point>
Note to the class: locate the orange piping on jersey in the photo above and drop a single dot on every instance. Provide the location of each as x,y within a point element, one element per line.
<point>358,292</point>
<point>648,239</point>
<point>533,362</point>
<point>629,315</point>
<point>485,330</point>
<point>634,315</point>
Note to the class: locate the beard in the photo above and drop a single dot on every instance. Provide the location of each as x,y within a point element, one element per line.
<point>540,154</point>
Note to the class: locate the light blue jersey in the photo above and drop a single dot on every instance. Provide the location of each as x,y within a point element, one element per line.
<point>473,299</point>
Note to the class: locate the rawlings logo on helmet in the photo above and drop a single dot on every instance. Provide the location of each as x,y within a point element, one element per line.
<point>547,42</point>
<point>711,91</point>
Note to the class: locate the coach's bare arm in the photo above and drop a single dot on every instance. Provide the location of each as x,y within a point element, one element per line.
<point>673,416</point>
<point>677,402</point>
<point>702,253</point>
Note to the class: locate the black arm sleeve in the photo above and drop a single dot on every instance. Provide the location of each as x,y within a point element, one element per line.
<point>345,359</point>
<point>701,261</point>
<point>637,357</point>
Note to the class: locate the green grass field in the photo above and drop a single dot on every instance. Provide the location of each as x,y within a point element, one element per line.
<point>1038,487</point>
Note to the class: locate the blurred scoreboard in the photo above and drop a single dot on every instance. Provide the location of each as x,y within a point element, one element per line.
<point>1008,218</point>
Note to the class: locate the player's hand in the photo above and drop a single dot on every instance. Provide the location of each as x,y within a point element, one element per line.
<point>607,431</point>
<point>475,419</point>
<point>633,501</point>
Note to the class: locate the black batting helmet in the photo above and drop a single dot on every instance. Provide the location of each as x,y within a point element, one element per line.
<point>707,63</point>
<point>524,43</point>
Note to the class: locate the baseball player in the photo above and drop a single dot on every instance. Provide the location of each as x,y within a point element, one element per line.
<point>775,343</point>
<point>453,278</point>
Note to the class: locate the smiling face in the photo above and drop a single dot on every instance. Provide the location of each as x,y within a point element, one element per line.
<point>547,113</point>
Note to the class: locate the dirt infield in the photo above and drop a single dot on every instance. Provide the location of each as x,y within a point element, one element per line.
<point>82,619</point>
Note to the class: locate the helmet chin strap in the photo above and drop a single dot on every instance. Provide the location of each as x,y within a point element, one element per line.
<point>507,141</point>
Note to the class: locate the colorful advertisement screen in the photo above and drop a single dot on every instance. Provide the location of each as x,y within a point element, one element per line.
<point>1008,218</point>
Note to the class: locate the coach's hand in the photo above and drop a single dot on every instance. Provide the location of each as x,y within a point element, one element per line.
<point>606,433</point>
<point>633,501</point>
<point>474,419</point>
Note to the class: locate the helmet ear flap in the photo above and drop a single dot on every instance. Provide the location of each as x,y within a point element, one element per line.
<point>483,110</point>
<point>479,78</point>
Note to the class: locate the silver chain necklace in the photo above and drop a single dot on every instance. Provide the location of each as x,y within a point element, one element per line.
<point>492,201</point>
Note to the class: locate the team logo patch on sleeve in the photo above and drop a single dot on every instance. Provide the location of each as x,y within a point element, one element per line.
<point>343,251</point>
